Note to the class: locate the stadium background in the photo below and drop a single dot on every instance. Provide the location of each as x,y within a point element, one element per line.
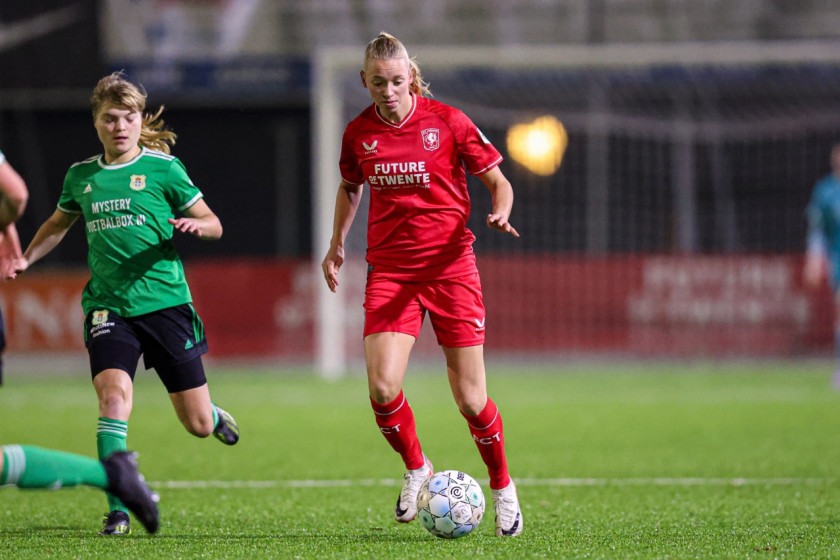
<point>674,227</point>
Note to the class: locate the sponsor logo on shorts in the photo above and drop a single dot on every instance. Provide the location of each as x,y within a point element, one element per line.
<point>99,320</point>
<point>479,324</point>
<point>100,316</point>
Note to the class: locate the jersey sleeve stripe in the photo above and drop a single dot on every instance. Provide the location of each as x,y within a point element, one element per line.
<point>159,155</point>
<point>88,160</point>
<point>488,168</point>
<point>68,211</point>
<point>351,182</point>
<point>192,201</point>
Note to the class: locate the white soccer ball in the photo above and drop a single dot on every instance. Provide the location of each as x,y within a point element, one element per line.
<point>450,504</point>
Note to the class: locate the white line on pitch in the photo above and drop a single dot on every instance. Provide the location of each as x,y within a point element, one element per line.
<point>691,481</point>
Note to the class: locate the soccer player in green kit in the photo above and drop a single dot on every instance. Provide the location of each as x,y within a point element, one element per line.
<point>131,199</point>
<point>33,467</point>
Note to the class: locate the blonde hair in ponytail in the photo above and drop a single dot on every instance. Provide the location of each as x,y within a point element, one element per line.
<point>115,90</point>
<point>388,47</point>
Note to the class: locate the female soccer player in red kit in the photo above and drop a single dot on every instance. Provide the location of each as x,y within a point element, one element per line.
<point>413,151</point>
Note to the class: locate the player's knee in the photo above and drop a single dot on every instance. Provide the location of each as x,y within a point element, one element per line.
<point>199,425</point>
<point>200,429</point>
<point>383,393</point>
<point>114,402</point>
<point>472,405</point>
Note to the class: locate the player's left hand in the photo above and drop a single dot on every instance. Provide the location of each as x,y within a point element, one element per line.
<point>500,223</point>
<point>10,268</point>
<point>186,225</point>
<point>10,253</point>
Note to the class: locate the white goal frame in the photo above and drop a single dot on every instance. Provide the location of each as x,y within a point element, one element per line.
<point>328,125</point>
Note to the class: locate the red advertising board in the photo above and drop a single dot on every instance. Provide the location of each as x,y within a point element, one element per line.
<point>634,305</point>
<point>654,305</point>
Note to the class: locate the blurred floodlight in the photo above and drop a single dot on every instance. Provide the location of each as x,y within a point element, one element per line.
<point>538,145</point>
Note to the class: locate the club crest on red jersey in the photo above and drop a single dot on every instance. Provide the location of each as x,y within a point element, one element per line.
<point>431,138</point>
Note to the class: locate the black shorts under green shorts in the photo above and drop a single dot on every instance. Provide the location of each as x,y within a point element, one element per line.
<point>171,341</point>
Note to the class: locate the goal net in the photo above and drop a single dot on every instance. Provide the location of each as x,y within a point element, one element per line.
<point>674,225</point>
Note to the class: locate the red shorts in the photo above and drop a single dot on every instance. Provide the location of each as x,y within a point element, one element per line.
<point>455,306</point>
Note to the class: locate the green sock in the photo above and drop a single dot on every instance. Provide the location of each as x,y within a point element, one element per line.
<point>28,466</point>
<point>110,436</point>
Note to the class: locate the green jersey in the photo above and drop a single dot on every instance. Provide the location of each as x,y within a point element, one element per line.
<point>134,268</point>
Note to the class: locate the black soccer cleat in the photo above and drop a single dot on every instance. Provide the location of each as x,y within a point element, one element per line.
<point>116,523</point>
<point>126,483</point>
<point>226,430</point>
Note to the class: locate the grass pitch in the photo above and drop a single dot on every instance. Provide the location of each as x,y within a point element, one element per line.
<point>612,461</point>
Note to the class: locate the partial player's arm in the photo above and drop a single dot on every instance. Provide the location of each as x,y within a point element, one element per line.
<point>200,221</point>
<point>14,195</point>
<point>346,204</point>
<point>815,270</point>
<point>10,251</point>
<point>816,263</point>
<point>502,195</point>
<point>46,238</point>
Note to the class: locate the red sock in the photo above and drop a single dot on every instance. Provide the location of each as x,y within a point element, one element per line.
<point>486,429</point>
<point>396,422</point>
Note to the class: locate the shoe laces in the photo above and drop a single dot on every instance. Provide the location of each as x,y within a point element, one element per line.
<point>506,505</point>
<point>412,481</point>
<point>411,487</point>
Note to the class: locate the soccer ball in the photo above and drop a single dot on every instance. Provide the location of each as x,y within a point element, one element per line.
<point>450,504</point>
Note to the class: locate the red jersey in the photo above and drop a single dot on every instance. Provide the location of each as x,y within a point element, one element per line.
<point>419,204</point>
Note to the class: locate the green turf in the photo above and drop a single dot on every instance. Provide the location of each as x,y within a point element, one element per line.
<point>613,461</point>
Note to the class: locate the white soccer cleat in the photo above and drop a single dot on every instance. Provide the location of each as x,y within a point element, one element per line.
<point>406,509</point>
<point>508,514</point>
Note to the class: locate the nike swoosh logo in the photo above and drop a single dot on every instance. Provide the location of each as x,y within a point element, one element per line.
<point>400,511</point>
<point>22,31</point>
<point>513,528</point>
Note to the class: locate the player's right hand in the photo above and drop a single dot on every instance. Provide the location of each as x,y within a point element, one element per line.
<point>332,262</point>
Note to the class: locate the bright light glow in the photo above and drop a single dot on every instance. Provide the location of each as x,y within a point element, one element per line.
<point>538,145</point>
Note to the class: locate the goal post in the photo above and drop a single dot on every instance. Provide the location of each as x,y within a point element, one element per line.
<point>327,104</point>
<point>660,136</point>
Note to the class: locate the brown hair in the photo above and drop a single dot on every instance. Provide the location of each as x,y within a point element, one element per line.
<point>388,47</point>
<point>116,90</point>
